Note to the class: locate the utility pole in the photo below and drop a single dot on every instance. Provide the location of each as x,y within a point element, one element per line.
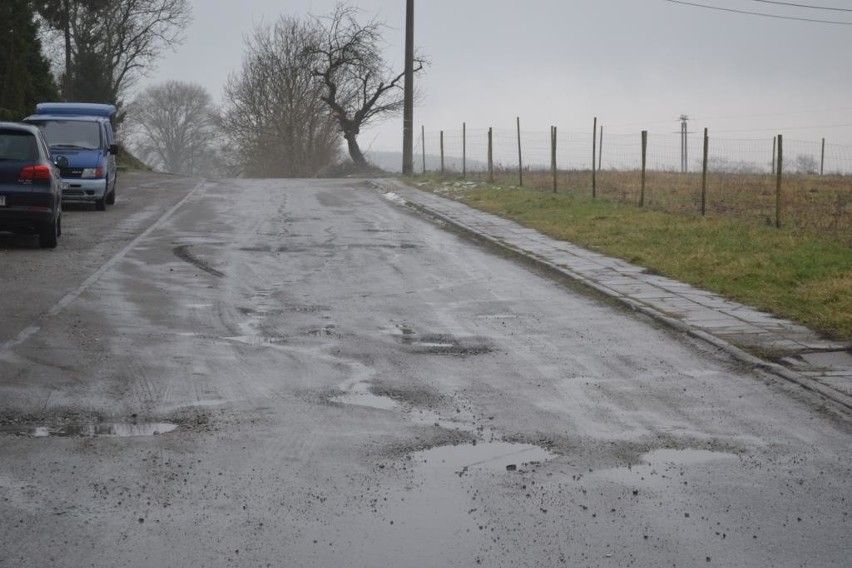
<point>408,101</point>
<point>684,150</point>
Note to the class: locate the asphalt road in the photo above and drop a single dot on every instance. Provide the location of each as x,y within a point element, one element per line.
<point>301,373</point>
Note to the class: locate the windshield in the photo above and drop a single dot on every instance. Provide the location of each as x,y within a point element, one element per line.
<point>72,134</point>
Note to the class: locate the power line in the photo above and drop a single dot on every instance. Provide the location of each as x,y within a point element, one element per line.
<point>808,6</point>
<point>760,13</point>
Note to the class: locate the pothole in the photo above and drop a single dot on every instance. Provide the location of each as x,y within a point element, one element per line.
<point>184,253</point>
<point>325,331</point>
<point>255,340</point>
<point>438,343</point>
<point>491,456</point>
<point>659,467</point>
<point>359,394</point>
<point>91,430</point>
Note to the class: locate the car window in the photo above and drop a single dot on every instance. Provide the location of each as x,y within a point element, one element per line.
<point>71,134</point>
<point>17,146</point>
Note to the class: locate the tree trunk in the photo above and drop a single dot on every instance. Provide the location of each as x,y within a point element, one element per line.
<point>355,150</point>
<point>66,87</point>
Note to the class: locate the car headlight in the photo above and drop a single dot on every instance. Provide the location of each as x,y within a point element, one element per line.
<point>92,173</point>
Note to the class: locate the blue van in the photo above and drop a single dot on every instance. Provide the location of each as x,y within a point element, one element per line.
<point>82,143</point>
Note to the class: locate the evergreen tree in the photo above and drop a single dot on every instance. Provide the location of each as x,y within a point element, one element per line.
<point>25,77</point>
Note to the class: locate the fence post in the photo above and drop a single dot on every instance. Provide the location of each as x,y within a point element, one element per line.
<point>520,157</point>
<point>464,150</point>
<point>594,152</point>
<point>644,164</point>
<point>423,145</point>
<point>774,151</point>
<point>600,148</point>
<point>704,175</point>
<point>822,159</point>
<point>442,152</point>
<point>553,155</point>
<point>490,155</point>
<point>778,182</point>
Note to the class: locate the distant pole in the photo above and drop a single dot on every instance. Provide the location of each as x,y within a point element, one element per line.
<point>553,155</point>
<point>822,159</point>
<point>774,151</point>
<point>778,182</point>
<point>442,152</point>
<point>520,157</point>
<point>704,174</point>
<point>644,167</point>
<point>600,150</point>
<point>423,144</point>
<point>594,153</point>
<point>684,145</point>
<point>490,155</point>
<point>464,150</point>
<point>408,101</point>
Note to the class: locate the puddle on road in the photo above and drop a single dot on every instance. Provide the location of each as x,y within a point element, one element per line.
<point>670,457</point>
<point>437,343</point>
<point>359,394</point>
<point>491,456</point>
<point>659,467</point>
<point>437,518</point>
<point>92,430</point>
<point>255,340</point>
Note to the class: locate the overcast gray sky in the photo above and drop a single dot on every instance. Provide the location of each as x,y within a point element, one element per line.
<point>634,64</point>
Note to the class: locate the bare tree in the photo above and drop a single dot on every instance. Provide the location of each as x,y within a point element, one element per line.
<point>175,127</point>
<point>806,164</point>
<point>111,43</point>
<point>272,108</point>
<point>360,88</point>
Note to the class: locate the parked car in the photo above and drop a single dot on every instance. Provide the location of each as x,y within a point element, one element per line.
<point>82,133</point>
<point>30,185</point>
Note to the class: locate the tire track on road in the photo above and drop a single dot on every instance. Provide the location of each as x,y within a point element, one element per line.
<point>70,297</point>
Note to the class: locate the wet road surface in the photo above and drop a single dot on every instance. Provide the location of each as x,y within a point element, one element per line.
<point>299,373</point>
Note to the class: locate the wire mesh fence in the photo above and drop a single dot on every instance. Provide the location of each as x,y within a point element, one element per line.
<point>739,177</point>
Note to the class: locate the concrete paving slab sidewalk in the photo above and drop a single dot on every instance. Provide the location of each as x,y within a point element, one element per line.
<point>780,346</point>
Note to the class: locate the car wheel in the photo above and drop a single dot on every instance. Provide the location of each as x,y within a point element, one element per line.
<point>100,204</point>
<point>48,236</point>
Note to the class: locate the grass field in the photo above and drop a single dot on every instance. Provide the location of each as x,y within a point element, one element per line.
<point>801,271</point>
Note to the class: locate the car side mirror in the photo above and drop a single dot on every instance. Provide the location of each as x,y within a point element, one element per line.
<point>113,149</point>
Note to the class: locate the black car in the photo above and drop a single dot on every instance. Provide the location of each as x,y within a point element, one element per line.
<point>30,185</point>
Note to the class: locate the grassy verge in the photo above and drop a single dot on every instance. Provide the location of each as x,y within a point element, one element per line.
<point>795,275</point>
<point>128,161</point>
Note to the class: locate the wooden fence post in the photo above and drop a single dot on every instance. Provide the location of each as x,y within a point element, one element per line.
<point>464,150</point>
<point>704,175</point>
<point>644,165</point>
<point>490,155</point>
<point>594,153</point>
<point>553,155</point>
<point>520,157</point>
<point>774,151</point>
<point>822,159</point>
<point>778,182</point>
<point>442,152</point>
<point>600,150</point>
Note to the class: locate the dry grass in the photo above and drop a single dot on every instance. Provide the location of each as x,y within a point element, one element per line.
<point>810,204</point>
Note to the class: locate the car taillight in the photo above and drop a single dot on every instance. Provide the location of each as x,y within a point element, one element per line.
<point>35,173</point>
